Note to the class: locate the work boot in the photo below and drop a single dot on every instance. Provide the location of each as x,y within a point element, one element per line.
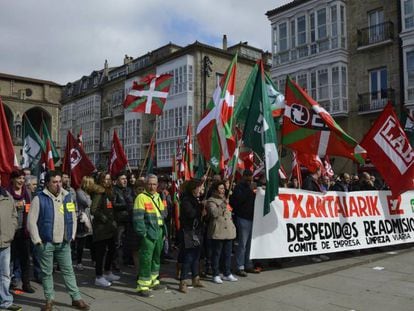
<point>197,283</point>
<point>178,266</point>
<point>48,306</point>
<point>80,305</point>
<point>183,287</point>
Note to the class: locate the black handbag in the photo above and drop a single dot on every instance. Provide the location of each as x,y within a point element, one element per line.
<point>191,238</point>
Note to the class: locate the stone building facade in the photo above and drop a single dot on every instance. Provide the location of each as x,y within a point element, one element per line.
<point>184,105</point>
<point>30,98</point>
<point>345,53</point>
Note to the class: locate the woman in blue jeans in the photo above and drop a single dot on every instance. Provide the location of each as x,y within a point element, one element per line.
<point>191,234</point>
<point>221,231</point>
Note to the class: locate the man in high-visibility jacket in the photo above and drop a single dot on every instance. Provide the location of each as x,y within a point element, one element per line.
<point>149,214</point>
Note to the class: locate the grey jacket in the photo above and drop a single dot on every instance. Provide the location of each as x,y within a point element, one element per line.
<point>8,220</point>
<point>220,225</point>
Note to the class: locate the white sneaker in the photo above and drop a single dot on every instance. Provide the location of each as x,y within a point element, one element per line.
<point>102,282</point>
<point>230,278</point>
<point>80,267</point>
<point>111,277</point>
<point>217,279</point>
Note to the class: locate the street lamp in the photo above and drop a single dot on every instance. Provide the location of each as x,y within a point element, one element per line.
<point>206,73</point>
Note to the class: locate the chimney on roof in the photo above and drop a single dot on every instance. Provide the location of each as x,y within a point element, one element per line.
<point>127,59</point>
<point>225,42</point>
<point>106,68</point>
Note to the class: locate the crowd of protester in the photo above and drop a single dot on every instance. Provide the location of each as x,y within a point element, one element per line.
<point>131,220</point>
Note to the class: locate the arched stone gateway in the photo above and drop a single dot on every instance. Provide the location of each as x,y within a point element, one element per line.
<point>35,116</point>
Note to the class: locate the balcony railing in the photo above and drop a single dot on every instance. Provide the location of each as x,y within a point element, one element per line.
<point>376,34</point>
<point>375,101</point>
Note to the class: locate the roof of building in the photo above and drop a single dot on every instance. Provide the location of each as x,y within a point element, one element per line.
<point>285,7</point>
<point>27,79</point>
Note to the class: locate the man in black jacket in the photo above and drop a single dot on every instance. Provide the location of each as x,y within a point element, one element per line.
<point>123,203</point>
<point>242,202</point>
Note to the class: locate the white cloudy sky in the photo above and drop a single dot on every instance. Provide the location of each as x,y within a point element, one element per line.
<point>61,40</point>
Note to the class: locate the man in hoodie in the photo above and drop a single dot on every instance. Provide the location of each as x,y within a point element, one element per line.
<point>8,226</point>
<point>52,226</point>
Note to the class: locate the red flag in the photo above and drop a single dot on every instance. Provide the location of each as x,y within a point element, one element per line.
<point>117,159</point>
<point>149,95</point>
<point>309,128</point>
<point>390,151</point>
<point>6,144</point>
<point>188,155</point>
<point>76,162</point>
<point>311,161</point>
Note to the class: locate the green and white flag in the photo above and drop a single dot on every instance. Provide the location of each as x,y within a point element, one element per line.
<point>32,146</point>
<point>260,135</point>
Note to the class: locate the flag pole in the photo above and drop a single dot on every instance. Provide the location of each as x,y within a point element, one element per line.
<point>233,173</point>
<point>148,150</point>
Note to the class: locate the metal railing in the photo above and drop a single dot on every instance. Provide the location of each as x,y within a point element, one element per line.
<point>375,34</point>
<point>375,101</point>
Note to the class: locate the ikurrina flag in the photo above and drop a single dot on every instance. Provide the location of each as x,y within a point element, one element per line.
<point>309,128</point>
<point>260,135</point>
<point>149,95</point>
<point>388,148</point>
<point>277,99</point>
<point>214,132</point>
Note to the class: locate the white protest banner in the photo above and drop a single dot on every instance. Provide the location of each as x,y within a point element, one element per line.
<point>306,223</point>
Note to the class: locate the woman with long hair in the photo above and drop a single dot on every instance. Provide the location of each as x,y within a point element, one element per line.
<point>191,233</point>
<point>221,230</point>
<point>104,229</point>
<point>20,247</point>
<point>84,226</point>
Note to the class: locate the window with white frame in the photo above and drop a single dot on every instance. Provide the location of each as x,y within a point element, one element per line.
<point>378,81</point>
<point>323,84</point>
<point>283,40</point>
<point>301,30</point>
<point>302,80</point>
<point>410,75</point>
<point>376,29</point>
<point>322,29</point>
<point>408,14</point>
<point>334,26</point>
<point>292,34</point>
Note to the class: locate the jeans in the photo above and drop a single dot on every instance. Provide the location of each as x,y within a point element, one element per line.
<point>20,253</point>
<point>244,239</point>
<point>61,252</point>
<point>191,261</point>
<point>6,299</point>
<point>219,247</point>
<point>102,247</point>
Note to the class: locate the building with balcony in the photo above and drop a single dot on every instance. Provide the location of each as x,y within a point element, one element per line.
<point>191,87</point>
<point>81,111</point>
<point>407,46</point>
<point>33,99</point>
<point>344,53</point>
